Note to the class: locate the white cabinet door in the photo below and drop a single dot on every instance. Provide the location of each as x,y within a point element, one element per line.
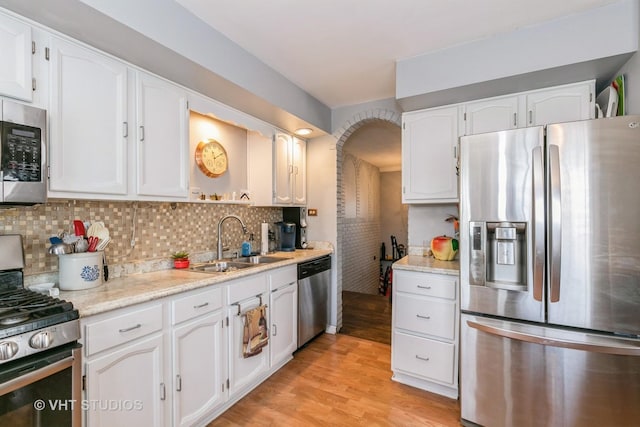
<point>282,169</point>
<point>284,319</point>
<point>244,372</point>
<point>562,104</point>
<point>16,72</point>
<point>88,121</point>
<point>161,138</point>
<point>429,156</point>
<point>132,378</point>
<point>199,364</point>
<point>491,115</point>
<point>299,148</point>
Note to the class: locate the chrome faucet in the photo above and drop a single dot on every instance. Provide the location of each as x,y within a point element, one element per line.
<point>244,230</point>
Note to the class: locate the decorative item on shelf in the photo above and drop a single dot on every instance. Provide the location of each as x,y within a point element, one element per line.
<point>180,259</point>
<point>444,248</point>
<point>456,224</point>
<point>211,158</point>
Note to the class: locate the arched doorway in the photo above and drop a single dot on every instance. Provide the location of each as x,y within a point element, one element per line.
<point>359,206</point>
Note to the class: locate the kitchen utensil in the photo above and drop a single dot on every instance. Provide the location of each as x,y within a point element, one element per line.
<point>93,243</point>
<point>105,267</point>
<point>81,245</point>
<point>78,227</point>
<point>55,240</point>
<point>103,244</point>
<point>99,230</point>
<point>61,249</point>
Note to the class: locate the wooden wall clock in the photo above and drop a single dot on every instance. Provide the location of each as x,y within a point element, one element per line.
<point>211,158</point>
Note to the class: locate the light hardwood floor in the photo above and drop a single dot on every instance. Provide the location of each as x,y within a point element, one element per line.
<point>366,316</point>
<point>339,380</point>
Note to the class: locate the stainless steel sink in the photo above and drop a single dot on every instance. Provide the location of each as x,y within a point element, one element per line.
<point>220,266</point>
<point>261,259</point>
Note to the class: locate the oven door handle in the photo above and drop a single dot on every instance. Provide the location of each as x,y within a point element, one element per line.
<point>37,375</point>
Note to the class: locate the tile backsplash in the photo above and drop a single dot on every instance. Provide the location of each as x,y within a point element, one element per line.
<point>157,228</point>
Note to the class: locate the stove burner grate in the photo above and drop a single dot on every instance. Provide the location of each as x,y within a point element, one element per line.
<point>23,310</point>
<point>14,319</point>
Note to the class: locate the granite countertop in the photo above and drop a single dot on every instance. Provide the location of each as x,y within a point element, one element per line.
<point>143,287</point>
<point>427,264</point>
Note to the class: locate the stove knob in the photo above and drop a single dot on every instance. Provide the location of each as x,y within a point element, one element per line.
<point>8,349</point>
<point>41,340</point>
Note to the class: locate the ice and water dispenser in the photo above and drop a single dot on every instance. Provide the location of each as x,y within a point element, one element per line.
<point>498,255</point>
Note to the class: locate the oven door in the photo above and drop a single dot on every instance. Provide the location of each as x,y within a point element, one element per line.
<point>43,389</point>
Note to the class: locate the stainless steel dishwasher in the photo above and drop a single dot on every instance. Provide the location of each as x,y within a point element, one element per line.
<point>314,282</point>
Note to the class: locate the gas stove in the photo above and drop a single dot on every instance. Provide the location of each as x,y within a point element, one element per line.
<point>30,322</point>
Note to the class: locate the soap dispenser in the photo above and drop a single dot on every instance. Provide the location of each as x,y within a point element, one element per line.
<point>246,246</point>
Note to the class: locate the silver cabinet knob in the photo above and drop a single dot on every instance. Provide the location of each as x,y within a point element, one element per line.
<point>8,349</point>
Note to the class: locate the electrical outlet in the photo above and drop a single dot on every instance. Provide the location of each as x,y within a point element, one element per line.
<point>312,212</point>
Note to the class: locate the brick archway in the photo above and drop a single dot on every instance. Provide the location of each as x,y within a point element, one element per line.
<point>342,135</point>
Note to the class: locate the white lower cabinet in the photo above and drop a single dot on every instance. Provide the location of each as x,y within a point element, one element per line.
<point>425,337</point>
<point>199,356</point>
<point>179,361</point>
<point>245,372</point>
<point>283,303</point>
<point>124,368</point>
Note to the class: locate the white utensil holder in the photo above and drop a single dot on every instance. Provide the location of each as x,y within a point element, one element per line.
<point>80,271</point>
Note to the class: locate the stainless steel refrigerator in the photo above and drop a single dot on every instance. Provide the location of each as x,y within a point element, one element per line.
<point>550,275</point>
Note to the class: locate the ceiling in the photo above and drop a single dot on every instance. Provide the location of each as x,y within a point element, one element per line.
<point>343,52</point>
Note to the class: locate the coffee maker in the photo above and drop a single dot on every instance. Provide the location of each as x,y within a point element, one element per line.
<point>285,236</point>
<point>297,216</point>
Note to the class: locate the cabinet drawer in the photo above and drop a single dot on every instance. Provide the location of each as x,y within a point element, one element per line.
<point>194,305</point>
<point>283,276</point>
<point>429,284</point>
<point>424,357</point>
<point>425,316</point>
<point>246,288</point>
<point>120,329</point>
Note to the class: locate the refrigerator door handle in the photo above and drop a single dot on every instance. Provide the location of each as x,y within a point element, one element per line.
<point>555,222</point>
<point>538,223</point>
<point>599,345</point>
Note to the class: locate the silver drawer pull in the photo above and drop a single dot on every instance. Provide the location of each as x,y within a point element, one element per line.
<point>201,305</point>
<point>424,287</point>
<point>130,329</point>
<point>420,316</point>
<point>426,359</point>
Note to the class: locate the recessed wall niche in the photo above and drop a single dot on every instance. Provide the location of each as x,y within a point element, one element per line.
<point>234,141</point>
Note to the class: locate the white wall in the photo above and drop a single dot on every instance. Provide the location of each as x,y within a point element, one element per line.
<point>164,38</point>
<point>427,222</point>
<point>393,214</point>
<point>577,47</point>
<point>321,190</point>
<point>355,113</point>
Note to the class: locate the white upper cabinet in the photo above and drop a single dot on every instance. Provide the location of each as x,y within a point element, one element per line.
<point>561,104</point>
<point>429,155</point>
<point>16,72</point>
<point>115,133</point>
<point>490,115</point>
<point>88,122</point>
<point>277,170</point>
<point>282,169</point>
<point>299,171</point>
<point>430,137</point>
<point>161,138</point>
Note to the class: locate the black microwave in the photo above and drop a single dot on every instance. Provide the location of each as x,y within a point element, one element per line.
<point>23,170</point>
